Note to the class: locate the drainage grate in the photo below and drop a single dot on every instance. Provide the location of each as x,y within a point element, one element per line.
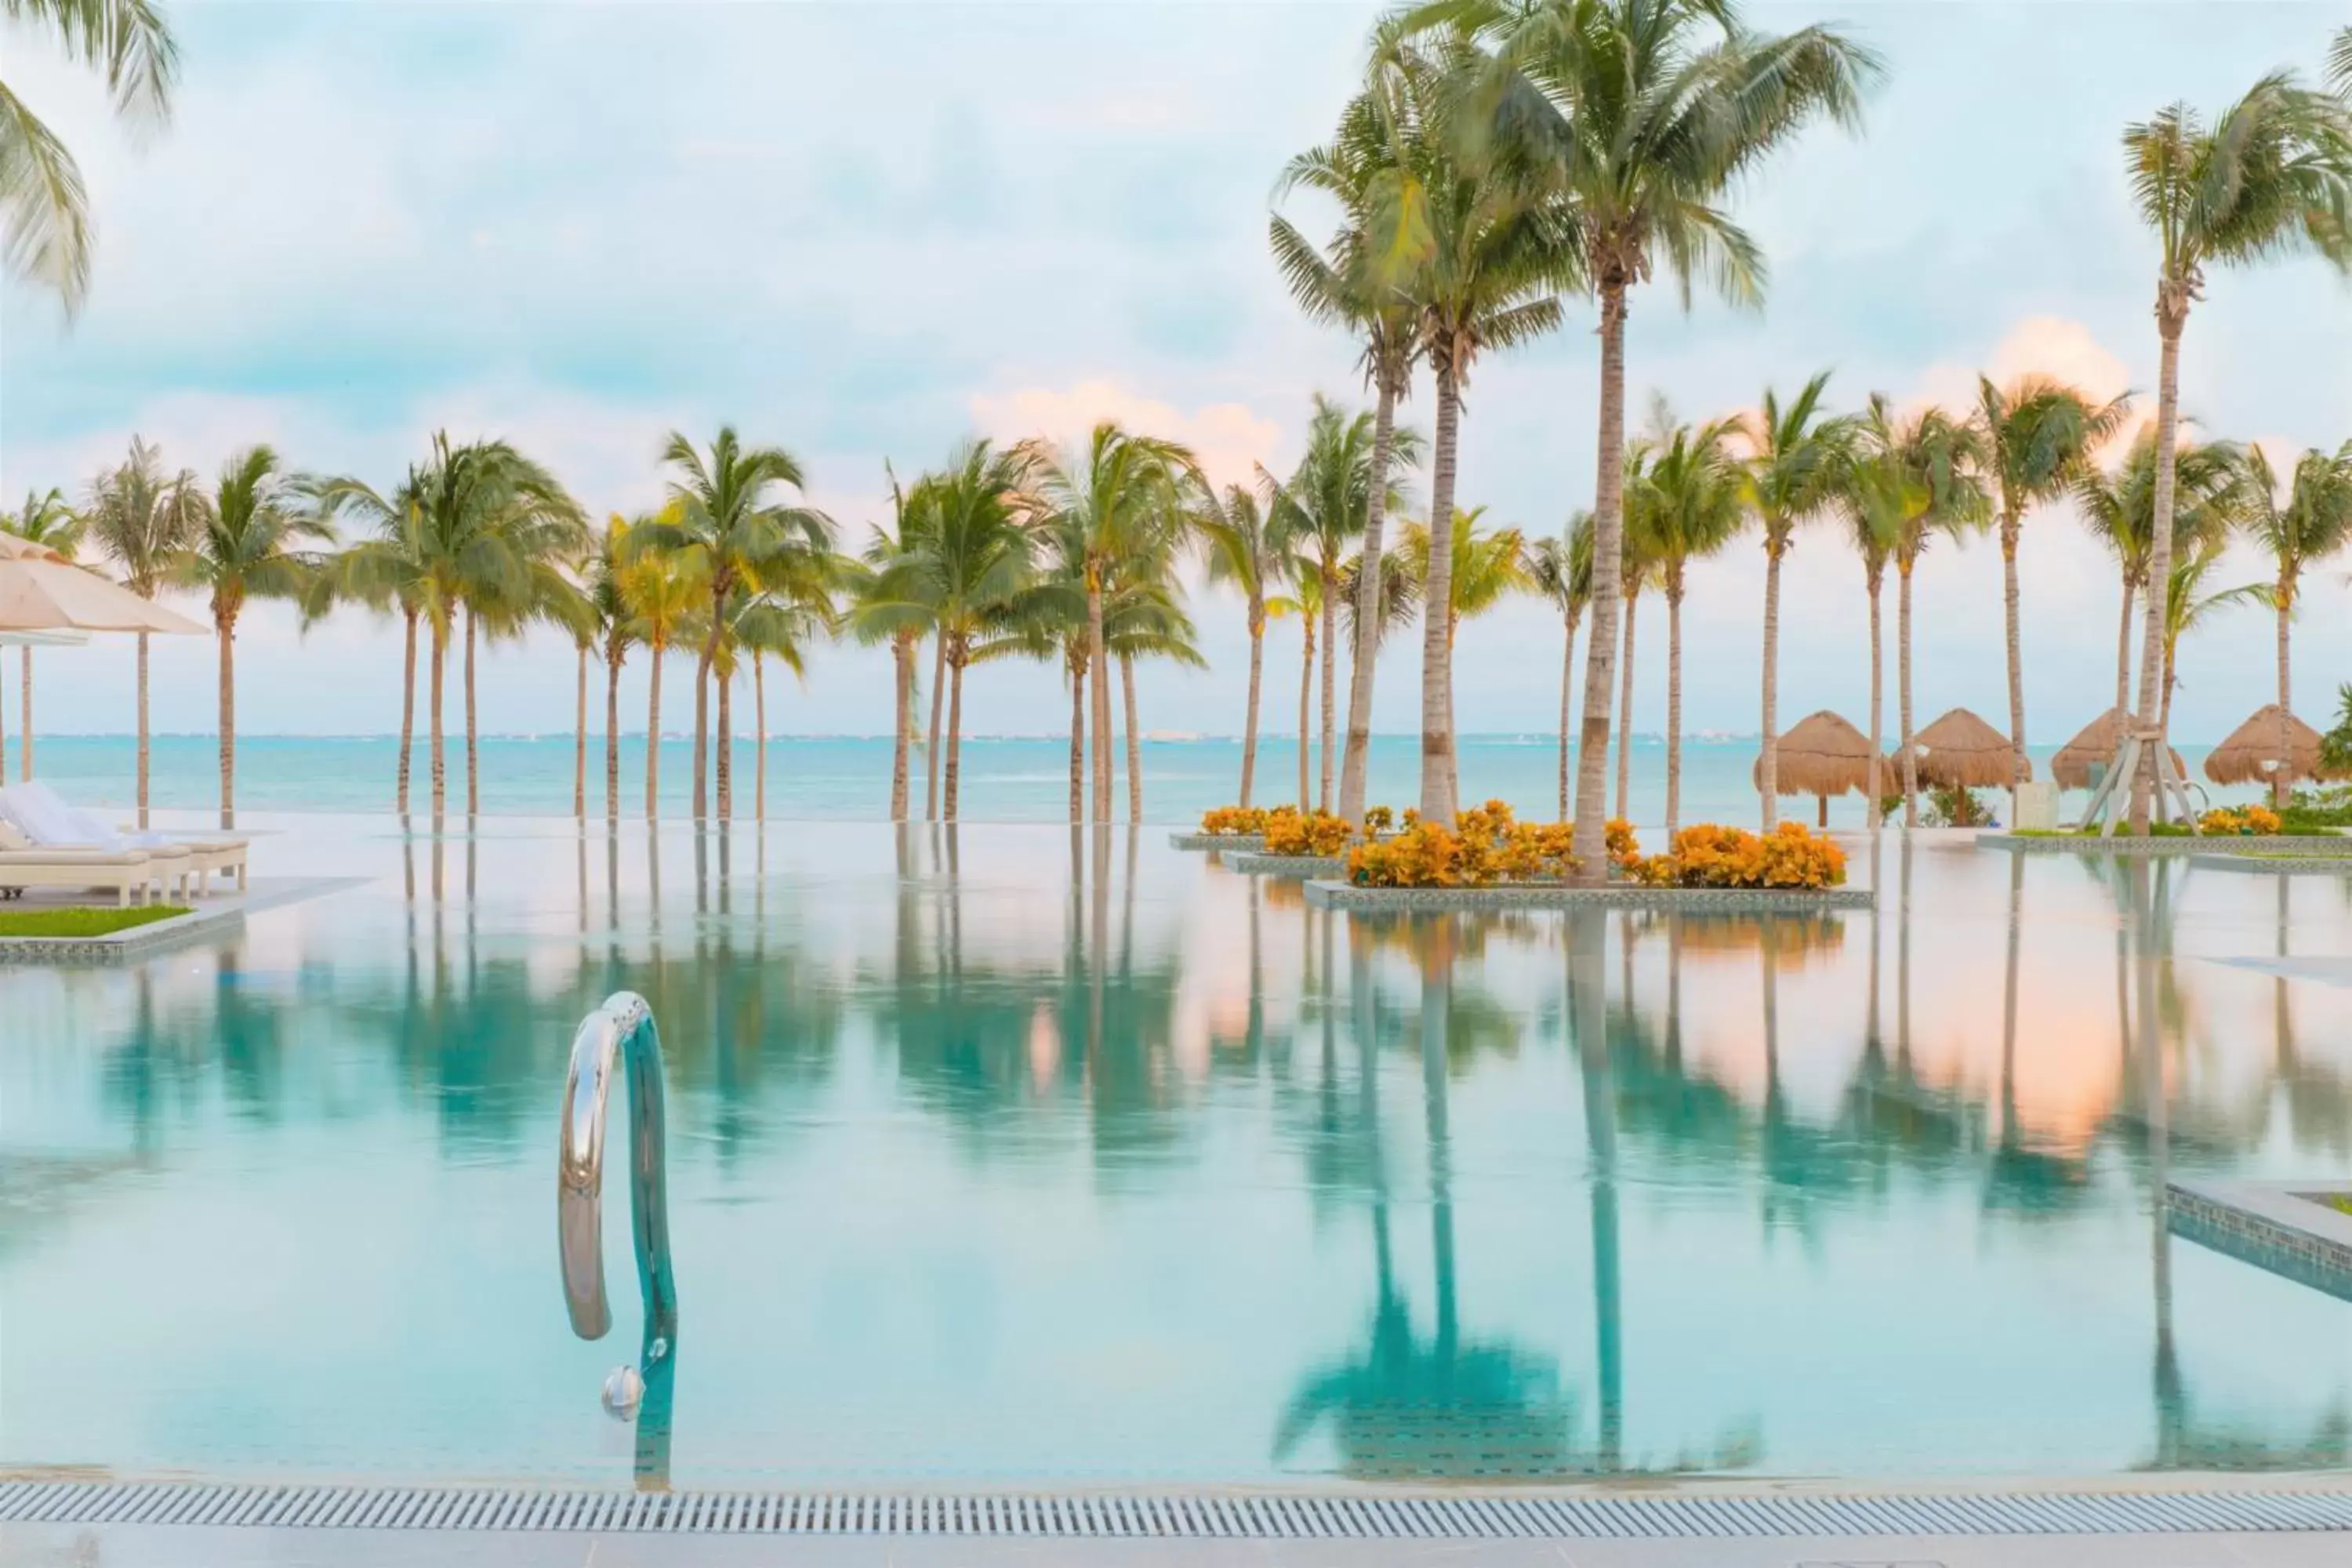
<point>1253,1516</point>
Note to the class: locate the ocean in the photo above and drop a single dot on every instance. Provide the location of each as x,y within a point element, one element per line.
<point>848,778</point>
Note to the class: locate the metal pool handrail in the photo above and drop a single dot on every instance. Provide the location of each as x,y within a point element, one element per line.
<point>621,1031</point>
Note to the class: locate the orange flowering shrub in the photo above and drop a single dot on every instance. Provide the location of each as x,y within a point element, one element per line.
<point>1708,856</point>
<point>2243,821</point>
<point>1378,819</point>
<point>1486,845</point>
<point>1316,832</point>
<point>1234,819</point>
<point>1624,849</point>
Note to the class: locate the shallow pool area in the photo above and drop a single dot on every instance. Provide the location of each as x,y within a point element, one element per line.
<point>1013,1154</point>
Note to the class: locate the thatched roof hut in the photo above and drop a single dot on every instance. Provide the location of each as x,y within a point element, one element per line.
<point>1960,751</point>
<point>2239,759</point>
<point>2095,748</point>
<point>1823,755</point>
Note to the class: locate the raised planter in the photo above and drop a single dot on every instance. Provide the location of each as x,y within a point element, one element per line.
<point>1337,895</point>
<point>2125,844</point>
<point>2278,1225</point>
<point>212,917</point>
<point>1301,866</point>
<point>1247,843</point>
<point>2276,865</point>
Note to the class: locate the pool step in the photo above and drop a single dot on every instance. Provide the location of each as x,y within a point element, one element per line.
<point>1194,1515</point>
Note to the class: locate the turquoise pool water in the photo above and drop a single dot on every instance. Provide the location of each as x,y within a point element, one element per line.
<point>1022,1158</point>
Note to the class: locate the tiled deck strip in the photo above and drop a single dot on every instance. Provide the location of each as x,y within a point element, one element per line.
<point>2271,1224</point>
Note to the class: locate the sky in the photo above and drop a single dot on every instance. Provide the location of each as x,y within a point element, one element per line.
<point>865,232</point>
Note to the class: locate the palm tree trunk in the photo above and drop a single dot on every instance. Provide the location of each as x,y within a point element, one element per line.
<point>2164,712</point>
<point>1902,694</point>
<point>1768,782</point>
<point>932,751</point>
<point>1354,763</point>
<point>439,763</point>
<point>1257,674</point>
<point>955,733</point>
<point>613,735</point>
<point>1098,670</point>
<point>1330,647</point>
<point>725,751</point>
<point>902,675</point>
<point>143,732</point>
<point>579,740</point>
<point>1567,680</point>
<point>1078,744</point>
<point>1134,743</point>
<point>1437,803</point>
<point>702,700</point>
<point>407,711</point>
<point>225,626</point>
<point>1674,708</point>
<point>1305,699</point>
<point>2013,639</point>
<point>1877,713</point>
<point>2123,651</point>
<point>653,739</point>
<point>1608,542</point>
<point>1625,716</point>
<point>473,724</point>
<point>2172,312</point>
<point>760,753</point>
<point>2280,781</point>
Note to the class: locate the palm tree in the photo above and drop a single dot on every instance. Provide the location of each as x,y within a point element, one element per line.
<point>2340,63</point>
<point>247,549</point>
<point>2272,175</point>
<point>1643,115</point>
<point>1934,459</point>
<point>2313,524</point>
<point>777,621</point>
<point>1480,569</point>
<point>1305,601</point>
<point>2119,509</point>
<point>604,586</point>
<point>1121,501</point>
<point>2037,435</point>
<point>1693,509</point>
<point>733,525</point>
<point>967,556</point>
<point>1356,283</point>
<point>2187,606</point>
<point>1244,551</point>
<point>45,520</point>
<point>1797,459</point>
<point>1562,570</point>
<point>1636,569</point>
<point>1875,496</point>
<point>474,527</point>
<point>882,608</point>
<point>662,593</point>
<point>568,604</point>
<point>143,518</point>
<point>43,212</point>
<point>1145,620</point>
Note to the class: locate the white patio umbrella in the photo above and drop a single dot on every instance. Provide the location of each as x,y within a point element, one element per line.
<point>41,590</point>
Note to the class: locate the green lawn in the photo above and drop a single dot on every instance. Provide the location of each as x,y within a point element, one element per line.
<point>2340,1202</point>
<point>81,922</point>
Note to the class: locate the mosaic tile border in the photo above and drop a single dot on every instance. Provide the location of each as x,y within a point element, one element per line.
<point>2124,845</point>
<point>2276,865</point>
<point>138,942</point>
<point>1300,866</point>
<point>1247,843</point>
<point>2271,1224</point>
<point>1331,895</point>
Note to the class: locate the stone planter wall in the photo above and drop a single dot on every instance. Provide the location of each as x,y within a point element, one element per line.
<point>1334,895</point>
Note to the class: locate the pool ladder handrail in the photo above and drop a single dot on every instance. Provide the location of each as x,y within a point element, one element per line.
<point>621,1033</point>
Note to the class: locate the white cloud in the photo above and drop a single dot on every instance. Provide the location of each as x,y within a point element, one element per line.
<point>1229,439</point>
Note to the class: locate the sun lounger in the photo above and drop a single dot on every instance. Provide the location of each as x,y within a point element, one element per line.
<point>121,872</point>
<point>50,822</point>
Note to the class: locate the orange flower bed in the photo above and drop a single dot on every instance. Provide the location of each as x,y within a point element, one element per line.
<point>1317,833</point>
<point>1486,845</point>
<point>2245,821</point>
<point>1710,855</point>
<point>1234,820</point>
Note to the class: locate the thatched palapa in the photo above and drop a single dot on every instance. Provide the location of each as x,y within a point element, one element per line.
<point>2095,748</point>
<point>1823,755</point>
<point>1960,751</point>
<point>2239,759</point>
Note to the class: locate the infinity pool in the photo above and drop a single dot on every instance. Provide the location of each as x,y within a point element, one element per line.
<point>1021,1156</point>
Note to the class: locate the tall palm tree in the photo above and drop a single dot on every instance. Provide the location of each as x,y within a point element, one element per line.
<point>568,604</point>
<point>2340,63</point>
<point>884,607</point>
<point>1695,508</point>
<point>2272,175</point>
<point>1357,282</point>
<point>1636,570</point>
<point>1934,460</point>
<point>1480,569</point>
<point>662,593</point>
<point>2312,523</point>
<point>1797,457</point>
<point>1643,115</point>
<point>778,621</point>
<point>248,547</point>
<point>2119,509</point>
<point>1875,496</point>
<point>1145,620</point>
<point>44,519</point>
<point>2188,603</point>
<point>1304,601</point>
<point>44,227</point>
<point>2037,435</point>
<point>472,529</point>
<point>603,576</point>
<point>143,518</point>
<point>1121,499</point>
<point>1562,570</point>
<point>1243,550</point>
<point>967,557</point>
<point>734,523</point>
